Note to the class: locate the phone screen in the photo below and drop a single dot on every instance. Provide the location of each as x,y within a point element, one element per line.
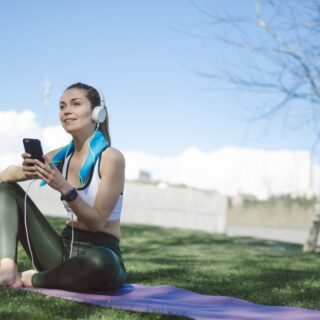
<point>33,146</point>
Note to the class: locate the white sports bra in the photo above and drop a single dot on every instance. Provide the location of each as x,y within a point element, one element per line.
<point>89,191</point>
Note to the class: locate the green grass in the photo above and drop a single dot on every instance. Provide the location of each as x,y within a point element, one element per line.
<point>265,272</point>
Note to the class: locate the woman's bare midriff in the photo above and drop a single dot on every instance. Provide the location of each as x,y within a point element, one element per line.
<point>111,227</point>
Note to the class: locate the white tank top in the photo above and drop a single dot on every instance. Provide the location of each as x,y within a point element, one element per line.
<point>89,191</point>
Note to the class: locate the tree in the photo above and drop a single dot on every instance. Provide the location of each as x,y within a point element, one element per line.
<point>284,64</point>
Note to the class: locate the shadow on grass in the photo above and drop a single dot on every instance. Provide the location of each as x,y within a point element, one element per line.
<point>38,305</point>
<point>172,236</point>
<point>265,272</point>
<point>21,305</point>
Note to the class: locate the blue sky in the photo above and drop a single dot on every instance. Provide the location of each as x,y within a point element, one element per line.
<point>133,51</point>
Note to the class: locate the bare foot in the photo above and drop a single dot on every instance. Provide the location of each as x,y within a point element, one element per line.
<point>9,276</point>
<point>26,277</point>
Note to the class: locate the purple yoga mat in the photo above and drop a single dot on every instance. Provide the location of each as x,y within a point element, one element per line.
<point>181,302</point>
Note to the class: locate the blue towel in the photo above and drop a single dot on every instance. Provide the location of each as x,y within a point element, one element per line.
<point>97,144</point>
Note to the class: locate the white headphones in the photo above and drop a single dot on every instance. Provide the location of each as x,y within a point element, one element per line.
<point>99,113</point>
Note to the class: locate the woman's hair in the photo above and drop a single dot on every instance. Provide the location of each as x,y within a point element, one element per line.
<point>94,97</point>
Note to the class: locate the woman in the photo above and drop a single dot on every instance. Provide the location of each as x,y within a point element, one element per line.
<point>89,174</point>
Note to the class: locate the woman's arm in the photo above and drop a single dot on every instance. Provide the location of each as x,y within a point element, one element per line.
<point>13,173</point>
<point>26,171</point>
<point>112,169</point>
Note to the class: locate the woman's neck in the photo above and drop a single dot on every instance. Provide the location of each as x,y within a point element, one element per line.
<point>81,141</point>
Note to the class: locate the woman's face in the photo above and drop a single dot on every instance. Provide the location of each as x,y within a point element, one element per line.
<point>75,110</point>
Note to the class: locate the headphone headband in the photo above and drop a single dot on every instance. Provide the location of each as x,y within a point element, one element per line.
<point>102,100</point>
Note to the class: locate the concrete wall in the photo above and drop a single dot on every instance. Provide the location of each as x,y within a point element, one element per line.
<point>46,199</point>
<point>153,205</point>
<point>199,210</point>
<point>174,207</point>
<point>274,220</point>
<point>277,214</point>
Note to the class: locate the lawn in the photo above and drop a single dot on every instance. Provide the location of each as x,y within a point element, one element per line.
<point>265,272</point>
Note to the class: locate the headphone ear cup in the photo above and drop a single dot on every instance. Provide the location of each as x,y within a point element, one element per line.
<point>99,114</point>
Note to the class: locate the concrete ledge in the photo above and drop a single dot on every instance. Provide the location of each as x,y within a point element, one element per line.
<point>298,236</point>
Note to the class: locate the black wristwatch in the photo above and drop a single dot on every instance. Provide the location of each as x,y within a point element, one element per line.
<point>70,196</point>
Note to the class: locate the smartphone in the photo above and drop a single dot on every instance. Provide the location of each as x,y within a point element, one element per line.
<point>33,146</point>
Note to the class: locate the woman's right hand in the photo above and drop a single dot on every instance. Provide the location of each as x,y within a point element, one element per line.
<point>28,166</point>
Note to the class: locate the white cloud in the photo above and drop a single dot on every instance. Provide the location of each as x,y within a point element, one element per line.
<point>54,137</point>
<point>228,170</point>
<point>15,126</point>
<point>13,123</point>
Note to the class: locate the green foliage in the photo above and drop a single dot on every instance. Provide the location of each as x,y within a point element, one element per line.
<point>285,200</point>
<point>265,272</point>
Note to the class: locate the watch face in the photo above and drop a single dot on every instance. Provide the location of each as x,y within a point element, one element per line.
<point>70,196</point>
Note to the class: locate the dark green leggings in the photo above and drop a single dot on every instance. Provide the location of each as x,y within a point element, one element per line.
<point>96,263</point>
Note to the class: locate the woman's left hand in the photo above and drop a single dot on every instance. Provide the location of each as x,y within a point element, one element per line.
<point>50,174</point>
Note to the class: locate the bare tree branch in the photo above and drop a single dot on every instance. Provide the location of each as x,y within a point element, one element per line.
<point>289,47</point>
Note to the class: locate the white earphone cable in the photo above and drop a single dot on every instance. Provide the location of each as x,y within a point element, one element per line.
<point>25,221</point>
<point>72,228</point>
<point>25,209</point>
<point>72,236</point>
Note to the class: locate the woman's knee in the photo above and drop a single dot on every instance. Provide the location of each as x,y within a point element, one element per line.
<point>7,197</point>
<point>11,188</point>
<point>103,259</point>
<point>6,186</point>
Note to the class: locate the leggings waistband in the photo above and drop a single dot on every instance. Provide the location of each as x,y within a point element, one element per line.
<point>95,238</point>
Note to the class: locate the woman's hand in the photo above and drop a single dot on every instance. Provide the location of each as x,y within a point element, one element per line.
<point>28,166</point>
<point>51,175</point>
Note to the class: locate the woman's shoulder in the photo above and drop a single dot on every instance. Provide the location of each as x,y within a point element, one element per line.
<point>112,154</point>
<point>112,157</point>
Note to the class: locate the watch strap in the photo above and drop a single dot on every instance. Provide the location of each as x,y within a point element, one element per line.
<point>70,196</point>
